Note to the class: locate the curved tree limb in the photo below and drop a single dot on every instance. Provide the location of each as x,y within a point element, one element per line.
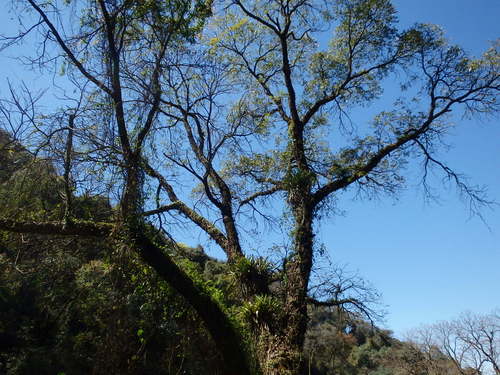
<point>77,228</point>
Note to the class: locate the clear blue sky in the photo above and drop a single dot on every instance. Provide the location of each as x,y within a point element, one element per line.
<point>430,262</point>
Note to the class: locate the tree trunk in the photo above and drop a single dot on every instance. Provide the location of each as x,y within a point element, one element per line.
<point>229,343</point>
<point>283,353</point>
<point>279,354</point>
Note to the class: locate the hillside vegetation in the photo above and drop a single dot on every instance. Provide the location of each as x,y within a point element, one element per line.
<point>85,306</point>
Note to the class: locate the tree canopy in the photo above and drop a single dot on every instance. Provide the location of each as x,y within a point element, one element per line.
<point>230,116</point>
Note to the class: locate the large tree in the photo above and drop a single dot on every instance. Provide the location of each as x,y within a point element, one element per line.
<point>238,123</point>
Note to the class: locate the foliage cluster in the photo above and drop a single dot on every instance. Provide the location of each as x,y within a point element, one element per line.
<point>80,306</point>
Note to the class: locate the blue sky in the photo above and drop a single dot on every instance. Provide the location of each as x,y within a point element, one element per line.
<point>430,261</point>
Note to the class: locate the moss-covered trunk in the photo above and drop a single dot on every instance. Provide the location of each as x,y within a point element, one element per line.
<point>227,339</point>
<point>281,348</point>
